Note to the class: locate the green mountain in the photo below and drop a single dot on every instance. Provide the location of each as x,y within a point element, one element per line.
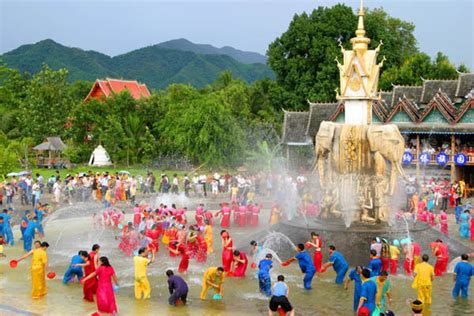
<point>205,49</point>
<point>154,65</point>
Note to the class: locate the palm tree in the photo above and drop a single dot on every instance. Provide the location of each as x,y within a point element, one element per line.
<point>264,157</point>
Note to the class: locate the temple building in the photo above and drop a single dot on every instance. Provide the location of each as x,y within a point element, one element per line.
<point>108,87</point>
<point>436,119</point>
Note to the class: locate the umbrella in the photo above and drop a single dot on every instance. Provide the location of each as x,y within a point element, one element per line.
<point>24,173</point>
<point>123,172</point>
<point>12,174</point>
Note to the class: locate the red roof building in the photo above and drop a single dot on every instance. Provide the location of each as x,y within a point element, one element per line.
<point>108,87</point>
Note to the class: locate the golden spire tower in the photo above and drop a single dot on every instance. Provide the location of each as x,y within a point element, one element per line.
<point>359,76</point>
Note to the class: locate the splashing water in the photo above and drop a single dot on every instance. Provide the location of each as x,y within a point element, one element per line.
<point>407,226</point>
<point>452,264</point>
<point>261,255</point>
<point>275,239</point>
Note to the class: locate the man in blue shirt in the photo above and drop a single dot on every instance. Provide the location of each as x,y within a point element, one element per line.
<point>462,276</point>
<point>375,264</point>
<point>338,263</point>
<point>306,265</point>
<point>75,268</point>
<point>7,228</point>
<point>29,233</point>
<point>40,213</point>
<point>354,275</point>
<point>368,292</point>
<point>24,223</point>
<point>264,281</point>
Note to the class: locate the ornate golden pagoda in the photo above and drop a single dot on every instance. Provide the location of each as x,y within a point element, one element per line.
<point>359,75</point>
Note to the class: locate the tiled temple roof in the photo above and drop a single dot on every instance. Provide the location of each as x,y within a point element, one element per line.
<point>318,112</point>
<point>437,106</point>
<point>294,127</point>
<point>465,84</point>
<point>431,87</point>
<point>413,93</point>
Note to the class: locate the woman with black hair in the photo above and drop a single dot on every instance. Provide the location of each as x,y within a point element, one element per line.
<point>105,291</point>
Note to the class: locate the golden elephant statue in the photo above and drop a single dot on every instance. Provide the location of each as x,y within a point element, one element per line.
<point>358,149</point>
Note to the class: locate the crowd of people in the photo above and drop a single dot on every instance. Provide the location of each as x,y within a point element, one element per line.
<point>189,237</point>
<point>431,201</point>
<point>110,188</point>
<point>433,147</point>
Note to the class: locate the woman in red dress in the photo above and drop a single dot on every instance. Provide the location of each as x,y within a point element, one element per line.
<point>181,250</point>
<point>227,256</point>
<point>255,213</point>
<point>90,286</point>
<point>105,291</point>
<point>201,255</point>
<point>240,263</point>
<point>225,215</point>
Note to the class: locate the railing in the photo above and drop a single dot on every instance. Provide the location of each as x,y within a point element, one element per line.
<point>56,163</point>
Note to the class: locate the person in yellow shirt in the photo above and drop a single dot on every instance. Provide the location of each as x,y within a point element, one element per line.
<point>383,291</point>
<point>423,282</point>
<point>2,242</point>
<point>208,237</point>
<point>275,215</point>
<point>394,254</point>
<point>250,197</point>
<point>39,265</point>
<point>141,262</point>
<point>213,278</point>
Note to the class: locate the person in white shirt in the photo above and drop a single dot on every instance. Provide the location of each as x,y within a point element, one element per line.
<point>175,186</point>
<point>57,192</point>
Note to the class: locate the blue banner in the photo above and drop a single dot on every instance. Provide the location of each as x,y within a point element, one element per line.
<point>442,159</point>
<point>460,159</point>
<point>407,158</point>
<point>424,158</point>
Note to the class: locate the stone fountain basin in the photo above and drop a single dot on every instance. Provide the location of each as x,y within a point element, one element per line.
<point>354,242</point>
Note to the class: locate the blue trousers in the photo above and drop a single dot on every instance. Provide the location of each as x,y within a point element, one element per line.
<point>9,236</point>
<point>71,272</point>
<point>27,242</point>
<point>22,230</point>
<point>341,274</point>
<point>40,229</point>
<point>264,284</point>
<point>461,286</point>
<point>308,278</point>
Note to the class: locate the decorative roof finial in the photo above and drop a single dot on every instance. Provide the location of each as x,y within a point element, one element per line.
<point>360,25</point>
<point>360,42</point>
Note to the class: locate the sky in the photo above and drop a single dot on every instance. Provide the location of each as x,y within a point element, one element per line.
<point>116,27</point>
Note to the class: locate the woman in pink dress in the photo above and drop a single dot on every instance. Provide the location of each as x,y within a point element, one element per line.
<point>443,219</point>
<point>472,228</point>
<point>105,291</point>
<point>227,256</point>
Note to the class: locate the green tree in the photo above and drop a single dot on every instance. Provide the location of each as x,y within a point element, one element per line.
<point>22,149</point>
<point>303,57</point>
<point>416,68</point>
<point>13,86</point>
<point>8,160</point>
<point>203,130</point>
<point>44,112</point>
<point>264,157</point>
